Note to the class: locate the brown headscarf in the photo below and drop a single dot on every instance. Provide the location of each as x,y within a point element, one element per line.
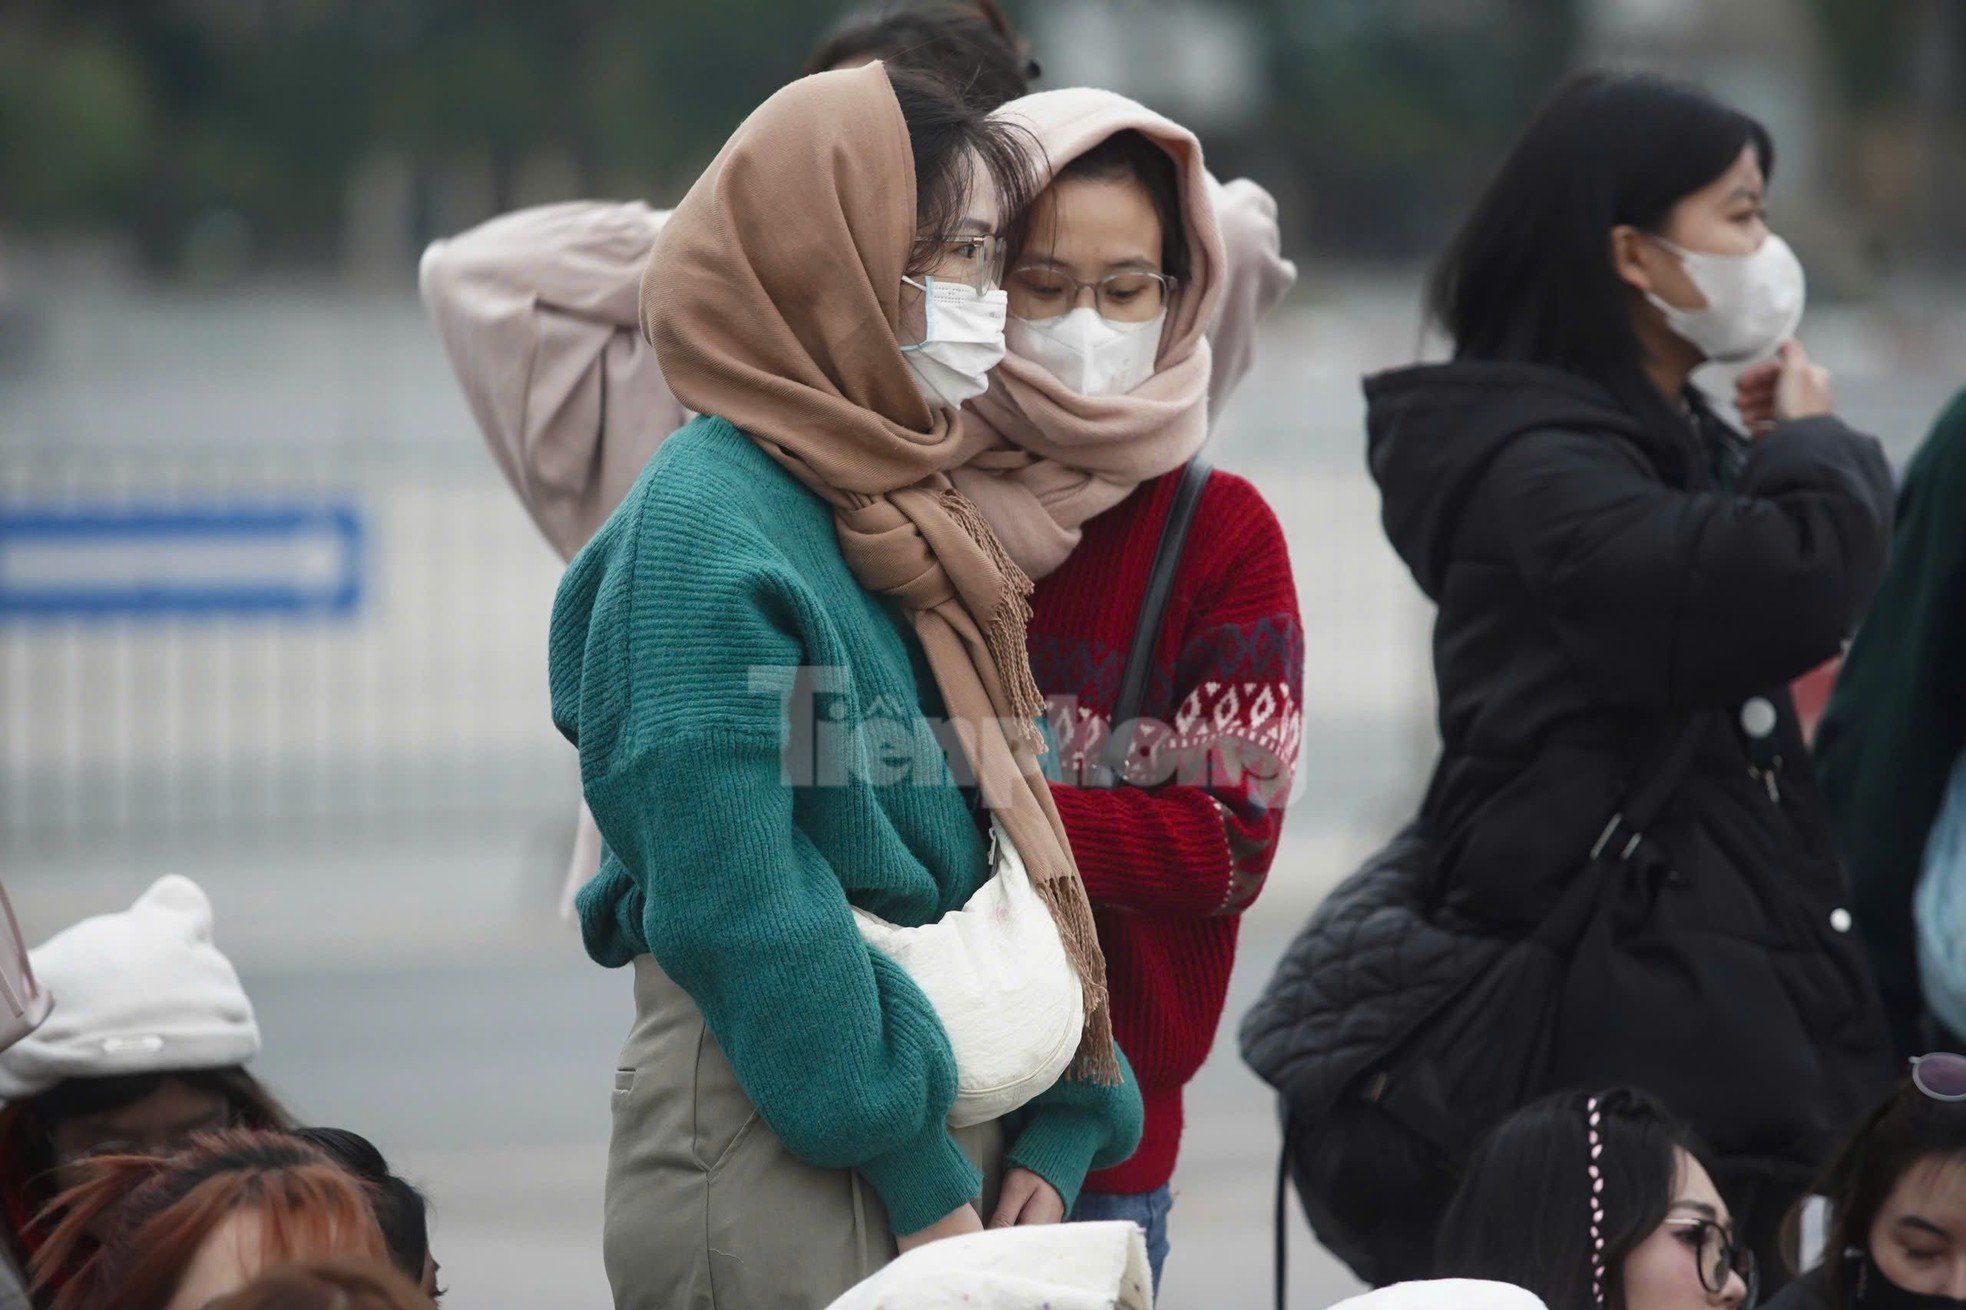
<point>1051,458</point>
<point>773,300</point>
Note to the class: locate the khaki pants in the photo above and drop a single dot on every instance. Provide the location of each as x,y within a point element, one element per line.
<point>705,1208</point>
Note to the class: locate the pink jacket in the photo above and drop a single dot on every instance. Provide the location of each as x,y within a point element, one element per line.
<point>539,311</point>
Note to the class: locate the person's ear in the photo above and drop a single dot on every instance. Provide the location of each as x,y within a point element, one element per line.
<point>1630,256</point>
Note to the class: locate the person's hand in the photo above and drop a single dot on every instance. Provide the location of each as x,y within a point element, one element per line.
<point>1802,390</point>
<point>1027,1199</point>
<point>1754,395</point>
<point>962,1219</point>
<point>1785,387</point>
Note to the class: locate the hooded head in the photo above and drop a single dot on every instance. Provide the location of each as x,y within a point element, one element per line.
<point>779,295</point>
<point>1052,455</point>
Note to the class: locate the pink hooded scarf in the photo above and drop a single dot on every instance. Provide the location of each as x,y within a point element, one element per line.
<point>1050,459</point>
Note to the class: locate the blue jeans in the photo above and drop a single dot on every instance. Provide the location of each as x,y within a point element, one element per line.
<point>1147,1209</point>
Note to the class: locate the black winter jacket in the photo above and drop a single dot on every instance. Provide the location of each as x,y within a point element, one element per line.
<point>1601,567</point>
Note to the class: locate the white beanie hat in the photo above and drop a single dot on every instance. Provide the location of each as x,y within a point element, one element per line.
<point>143,991</point>
<point>1446,1294</point>
<point>1090,1266</point>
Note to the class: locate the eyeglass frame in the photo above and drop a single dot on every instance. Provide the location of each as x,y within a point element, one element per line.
<point>1736,1257</point>
<point>1939,1057</point>
<point>997,260</point>
<point>1169,285</point>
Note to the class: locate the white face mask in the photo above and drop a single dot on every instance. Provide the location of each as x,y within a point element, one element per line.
<point>961,342</point>
<point>1089,354</point>
<point>1754,302</point>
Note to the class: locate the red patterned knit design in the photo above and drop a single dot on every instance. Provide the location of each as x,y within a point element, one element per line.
<point>1222,716</point>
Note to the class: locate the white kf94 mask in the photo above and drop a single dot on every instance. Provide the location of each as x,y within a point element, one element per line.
<point>1092,355</point>
<point>1754,302</point>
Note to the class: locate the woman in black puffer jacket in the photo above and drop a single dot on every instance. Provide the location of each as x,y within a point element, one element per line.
<point>1611,561</point>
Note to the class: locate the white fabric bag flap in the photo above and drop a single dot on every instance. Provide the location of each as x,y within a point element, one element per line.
<point>1000,981</point>
<point>1090,1266</point>
<point>1446,1294</point>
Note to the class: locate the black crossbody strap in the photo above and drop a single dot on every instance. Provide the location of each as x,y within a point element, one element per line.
<point>1653,784</point>
<point>1110,768</point>
<point>1652,791</point>
<point>1280,1224</point>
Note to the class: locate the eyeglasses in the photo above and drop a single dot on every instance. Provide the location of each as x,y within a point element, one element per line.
<point>974,261</point>
<point>1039,292</point>
<point>1941,1075</point>
<point>1717,1255</point>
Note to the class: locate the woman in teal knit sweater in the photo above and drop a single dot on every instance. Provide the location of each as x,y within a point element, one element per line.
<point>749,656</point>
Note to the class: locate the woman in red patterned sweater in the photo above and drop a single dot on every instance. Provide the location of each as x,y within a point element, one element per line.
<point>1089,422</point>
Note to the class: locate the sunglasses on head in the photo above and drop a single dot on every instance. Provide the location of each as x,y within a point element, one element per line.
<point>1940,1075</point>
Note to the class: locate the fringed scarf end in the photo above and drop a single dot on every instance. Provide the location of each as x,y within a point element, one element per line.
<point>1005,629</point>
<point>1097,1060</point>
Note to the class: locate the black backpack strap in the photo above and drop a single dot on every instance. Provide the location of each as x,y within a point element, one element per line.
<point>1109,769</point>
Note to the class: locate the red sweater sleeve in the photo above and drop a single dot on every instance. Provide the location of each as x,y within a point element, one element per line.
<point>1163,852</point>
<point>1198,838</point>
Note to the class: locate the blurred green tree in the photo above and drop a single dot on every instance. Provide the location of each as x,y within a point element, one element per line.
<point>147,118</point>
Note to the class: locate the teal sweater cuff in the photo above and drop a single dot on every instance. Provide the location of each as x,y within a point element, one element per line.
<point>1058,1145</point>
<point>923,1180</point>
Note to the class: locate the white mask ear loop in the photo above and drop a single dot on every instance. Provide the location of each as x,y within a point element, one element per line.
<point>1686,260</point>
<point>963,340</point>
<point>927,287</point>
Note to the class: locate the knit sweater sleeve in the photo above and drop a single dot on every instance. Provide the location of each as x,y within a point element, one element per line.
<point>1074,1127</point>
<point>539,313</point>
<point>681,755</point>
<point>1201,842</point>
<point>1674,598</point>
<point>1255,279</point>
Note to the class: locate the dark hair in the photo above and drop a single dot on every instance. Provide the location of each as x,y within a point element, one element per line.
<point>252,1106</point>
<point>400,1209</point>
<point>249,1104</point>
<point>972,47</point>
<point>1130,154</point>
<point>1529,275</point>
<point>1522,1214</point>
<point>1907,1128</point>
<point>946,136</point>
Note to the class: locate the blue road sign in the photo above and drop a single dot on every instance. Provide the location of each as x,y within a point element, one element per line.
<point>295,560</point>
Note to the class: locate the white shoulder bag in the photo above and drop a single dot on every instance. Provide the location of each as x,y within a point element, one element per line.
<point>995,970</point>
<point>997,974</point>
